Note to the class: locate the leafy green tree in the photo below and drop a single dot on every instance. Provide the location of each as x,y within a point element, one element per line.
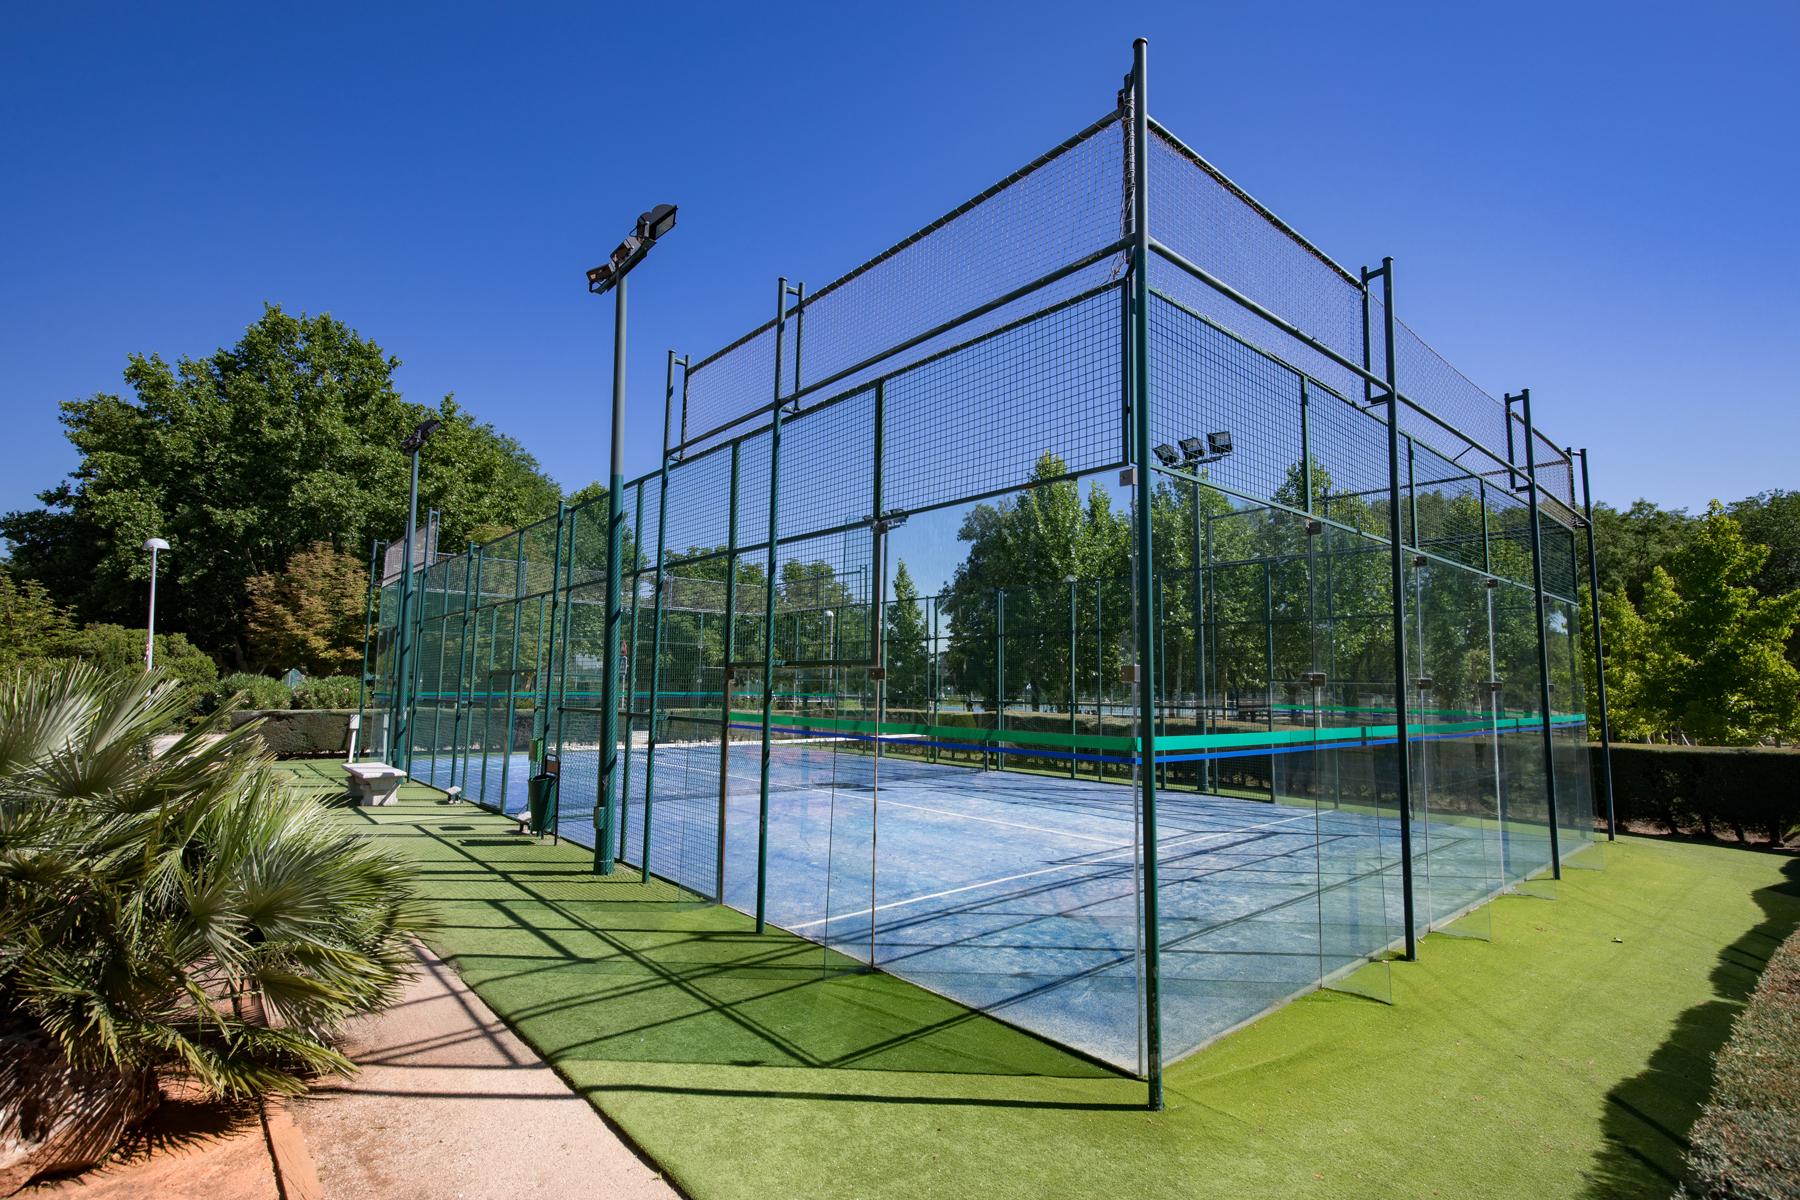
<point>32,625</point>
<point>243,458</point>
<point>1719,672</point>
<point>1630,543</point>
<point>908,645</point>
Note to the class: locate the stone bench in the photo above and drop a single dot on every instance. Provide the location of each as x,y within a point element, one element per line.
<point>374,782</point>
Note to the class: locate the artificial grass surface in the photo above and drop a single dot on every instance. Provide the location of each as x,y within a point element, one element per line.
<point>1553,1061</point>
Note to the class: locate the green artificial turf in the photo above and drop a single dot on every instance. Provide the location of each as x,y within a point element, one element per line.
<point>1567,1056</point>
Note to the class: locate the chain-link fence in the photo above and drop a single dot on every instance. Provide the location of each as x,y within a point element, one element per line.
<point>897,672</point>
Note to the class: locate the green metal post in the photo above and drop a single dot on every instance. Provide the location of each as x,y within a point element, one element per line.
<point>1587,520</point>
<point>403,627</point>
<point>1487,554</point>
<point>768,679</point>
<point>1397,584</point>
<point>1306,460</point>
<point>1269,660</point>
<point>999,672</point>
<point>512,671</point>
<point>1143,567</point>
<point>656,617</point>
<point>458,736</point>
<point>606,815</point>
<point>629,691</point>
<point>487,697</point>
<point>568,616</point>
<point>1073,646</point>
<point>728,680</point>
<point>1543,630</point>
<point>475,668</point>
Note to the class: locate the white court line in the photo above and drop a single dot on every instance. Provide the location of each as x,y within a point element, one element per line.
<point>987,883</point>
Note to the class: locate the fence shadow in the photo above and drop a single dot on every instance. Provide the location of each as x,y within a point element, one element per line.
<point>1649,1115</point>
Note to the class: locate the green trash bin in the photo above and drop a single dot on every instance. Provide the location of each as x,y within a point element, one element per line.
<point>540,804</point>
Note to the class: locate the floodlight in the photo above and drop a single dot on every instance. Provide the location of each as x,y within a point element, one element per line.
<point>1169,455</point>
<point>1219,443</point>
<point>1194,448</point>
<point>155,543</point>
<point>656,222</point>
<point>415,441</point>
<point>599,277</point>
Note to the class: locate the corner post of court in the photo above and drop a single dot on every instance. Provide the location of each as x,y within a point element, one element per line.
<point>512,664</point>
<point>1587,521</point>
<point>1543,630</point>
<point>656,611</point>
<point>629,660</point>
<point>1143,562</point>
<point>1397,585</point>
<point>782,292</point>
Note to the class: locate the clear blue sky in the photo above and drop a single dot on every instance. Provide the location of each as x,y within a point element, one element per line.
<point>1593,200</point>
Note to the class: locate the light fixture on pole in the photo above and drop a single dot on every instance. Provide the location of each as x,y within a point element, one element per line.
<point>411,445</point>
<point>610,276</point>
<point>152,545</point>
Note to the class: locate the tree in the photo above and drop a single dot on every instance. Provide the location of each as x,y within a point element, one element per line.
<point>172,910</point>
<point>908,645</point>
<point>31,624</point>
<point>1630,543</point>
<point>309,614</point>
<point>244,458</point>
<point>1706,658</point>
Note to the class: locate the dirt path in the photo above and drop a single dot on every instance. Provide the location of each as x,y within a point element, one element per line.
<point>450,1103</point>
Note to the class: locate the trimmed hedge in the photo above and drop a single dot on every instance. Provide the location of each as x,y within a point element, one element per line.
<point>299,733</point>
<point>1751,791</point>
<point>1746,1143</point>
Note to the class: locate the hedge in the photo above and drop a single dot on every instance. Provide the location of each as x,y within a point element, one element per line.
<point>299,733</point>
<point>1751,791</point>
<point>1747,1141</point>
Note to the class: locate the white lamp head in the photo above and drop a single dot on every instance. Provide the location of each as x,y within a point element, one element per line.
<point>155,543</point>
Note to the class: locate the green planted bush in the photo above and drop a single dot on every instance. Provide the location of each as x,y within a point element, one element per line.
<point>1746,1144</point>
<point>1747,791</point>
<point>329,691</point>
<point>180,912</point>
<point>243,690</point>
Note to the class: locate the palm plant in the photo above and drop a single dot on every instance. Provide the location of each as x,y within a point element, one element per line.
<point>169,906</point>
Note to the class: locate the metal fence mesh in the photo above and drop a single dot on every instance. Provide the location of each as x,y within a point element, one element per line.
<point>913,728</point>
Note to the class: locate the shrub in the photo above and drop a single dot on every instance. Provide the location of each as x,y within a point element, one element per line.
<point>1702,789</point>
<point>1747,1140</point>
<point>243,690</point>
<point>116,648</point>
<point>332,691</point>
<point>182,913</point>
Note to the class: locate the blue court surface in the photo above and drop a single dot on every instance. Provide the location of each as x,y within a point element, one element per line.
<point>1019,894</point>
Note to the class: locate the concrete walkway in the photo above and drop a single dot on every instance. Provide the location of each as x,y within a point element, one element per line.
<point>450,1103</point>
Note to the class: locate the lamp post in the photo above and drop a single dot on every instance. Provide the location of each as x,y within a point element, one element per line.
<point>152,545</point>
<point>403,698</point>
<point>610,276</point>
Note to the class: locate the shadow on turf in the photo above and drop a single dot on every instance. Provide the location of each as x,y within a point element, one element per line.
<point>609,970</point>
<point>1648,1116</point>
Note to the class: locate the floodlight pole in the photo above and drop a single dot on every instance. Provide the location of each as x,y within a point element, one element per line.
<point>1587,517</point>
<point>605,813</point>
<point>1397,586</point>
<point>1143,568</point>
<point>1543,630</point>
